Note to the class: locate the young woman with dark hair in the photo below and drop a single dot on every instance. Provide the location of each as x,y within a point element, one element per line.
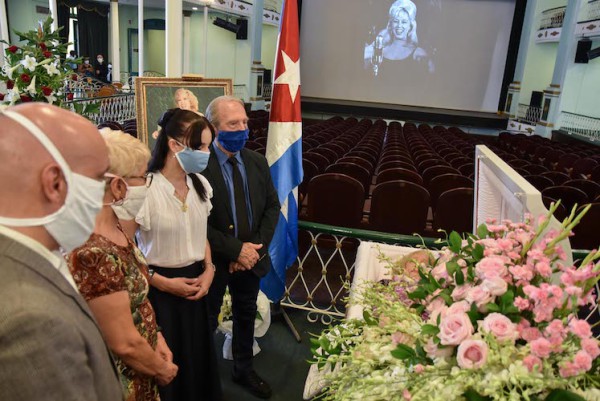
<point>172,236</point>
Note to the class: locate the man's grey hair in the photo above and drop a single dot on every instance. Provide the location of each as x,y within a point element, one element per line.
<point>211,111</point>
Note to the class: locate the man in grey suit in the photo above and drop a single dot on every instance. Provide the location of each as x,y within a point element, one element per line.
<point>51,175</point>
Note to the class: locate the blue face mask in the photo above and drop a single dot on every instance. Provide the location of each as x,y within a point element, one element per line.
<point>233,141</point>
<point>192,161</point>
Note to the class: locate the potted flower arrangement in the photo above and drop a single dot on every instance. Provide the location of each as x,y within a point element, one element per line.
<point>493,316</point>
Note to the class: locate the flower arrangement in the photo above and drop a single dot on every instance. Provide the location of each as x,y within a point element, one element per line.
<point>492,316</point>
<point>36,70</point>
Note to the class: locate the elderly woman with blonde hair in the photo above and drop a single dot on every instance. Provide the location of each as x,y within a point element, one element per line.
<point>112,275</point>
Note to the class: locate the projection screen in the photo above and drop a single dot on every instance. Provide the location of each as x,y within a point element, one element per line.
<point>447,54</point>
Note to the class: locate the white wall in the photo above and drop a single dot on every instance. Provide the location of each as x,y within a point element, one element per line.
<point>22,16</point>
<point>540,56</point>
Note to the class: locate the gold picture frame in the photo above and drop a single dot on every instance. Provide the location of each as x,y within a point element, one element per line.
<point>155,95</point>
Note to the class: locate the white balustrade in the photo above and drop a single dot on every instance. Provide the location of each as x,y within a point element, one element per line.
<point>586,126</point>
<point>529,114</point>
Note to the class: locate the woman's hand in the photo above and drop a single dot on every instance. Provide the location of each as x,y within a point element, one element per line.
<point>162,348</point>
<point>179,286</point>
<point>203,283</point>
<point>167,374</point>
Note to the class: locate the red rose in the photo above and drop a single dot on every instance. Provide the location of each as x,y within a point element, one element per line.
<point>10,84</point>
<point>1,97</point>
<point>25,98</point>
<point>69,96</point>
<point>74,77</point>
<point>25,78</point>
<point>46,90</point>
<point>47,54</point>
<point>42,45</point>
<point>13,49</point>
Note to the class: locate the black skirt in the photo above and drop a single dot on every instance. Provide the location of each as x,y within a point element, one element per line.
<point>185,327</point>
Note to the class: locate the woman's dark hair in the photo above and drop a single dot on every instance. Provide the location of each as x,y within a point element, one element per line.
<point>185,127</point>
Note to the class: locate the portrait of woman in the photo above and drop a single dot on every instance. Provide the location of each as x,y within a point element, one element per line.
<point>398,41</point>
<point>183,99</point>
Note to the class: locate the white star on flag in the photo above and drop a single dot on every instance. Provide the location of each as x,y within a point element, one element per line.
<point>291,76</point>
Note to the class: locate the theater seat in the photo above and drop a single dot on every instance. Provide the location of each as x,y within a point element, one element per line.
<point>454,211</point>
<point>335,199</point>
<point>586,232</point>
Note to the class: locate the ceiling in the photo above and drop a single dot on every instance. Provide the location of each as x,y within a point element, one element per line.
<point>274,5</point>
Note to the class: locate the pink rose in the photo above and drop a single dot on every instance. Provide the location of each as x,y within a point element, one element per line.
<point>460,292</point>
<point>435,308</point>
<point>583,361</point>
<point>580,328</point>
<point>531,362</point>
<point>500,326</point>
<point>419,368</point>
<point>406,395</point>
<point>433,351</point>
<point>457,307</point>
<point>480,296</point>
<point>590,345</point>
<point>491,266</point>
<point>495,285</point>
<point>472,354</point>
<point>440,272</point>
<point>455,328</point>
<point>541,347</point>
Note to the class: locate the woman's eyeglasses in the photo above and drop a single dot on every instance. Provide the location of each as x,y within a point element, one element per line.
<point>148,177</point>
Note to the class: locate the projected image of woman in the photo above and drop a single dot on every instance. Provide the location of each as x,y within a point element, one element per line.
<point>398,41</point>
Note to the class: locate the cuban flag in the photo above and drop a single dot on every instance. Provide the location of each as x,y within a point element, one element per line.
<point>284,150</point>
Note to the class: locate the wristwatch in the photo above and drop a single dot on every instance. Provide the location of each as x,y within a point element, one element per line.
<point>150,274</point>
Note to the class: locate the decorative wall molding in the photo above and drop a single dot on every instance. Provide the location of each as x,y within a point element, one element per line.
<point>548,35</point>
<point>588,28</point>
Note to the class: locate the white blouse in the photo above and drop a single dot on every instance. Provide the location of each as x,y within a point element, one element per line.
<point>168,235</point>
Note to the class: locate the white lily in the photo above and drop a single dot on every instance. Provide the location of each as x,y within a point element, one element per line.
<point>31,88</point>
<point>29,62</point>
<point>14,95</point>
<point>51,69</point>
<point>9,71</point>
<point>50,99</point>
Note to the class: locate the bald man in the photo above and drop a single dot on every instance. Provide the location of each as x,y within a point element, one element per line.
<point>51,177</point>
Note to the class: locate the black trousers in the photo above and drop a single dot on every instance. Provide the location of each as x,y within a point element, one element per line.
<point>243,287</point>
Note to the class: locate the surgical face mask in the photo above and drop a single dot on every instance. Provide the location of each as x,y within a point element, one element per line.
<point>100,60</point>
<point>74,222</point>
<point>192,161</point>
<point>129,207</point>
<point>233,141</point>
<point>86,62</point>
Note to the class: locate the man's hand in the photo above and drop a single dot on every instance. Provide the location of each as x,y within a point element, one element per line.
<point>248,255</point>
<point>237,267</point>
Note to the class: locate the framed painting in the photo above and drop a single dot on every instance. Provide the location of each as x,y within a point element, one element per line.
<point>155,95</point>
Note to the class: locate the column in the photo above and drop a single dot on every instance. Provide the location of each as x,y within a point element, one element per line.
<point>3,30</point>
<point>115,56</point>
<point>141,38</point>
<point>565,56</point>
<point>53,12</point>
<point>205,47</point>
<point>257,69</point>
<point>514,89</point>
<point>173,51</point>
<point>187,22</point>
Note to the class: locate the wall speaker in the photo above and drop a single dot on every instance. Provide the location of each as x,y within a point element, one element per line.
<point>594,53</point>
<point>583,47</point>
<point>230,26</point>
<point>242,33</point>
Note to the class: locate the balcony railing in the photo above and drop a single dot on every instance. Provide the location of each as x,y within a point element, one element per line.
<point>585,126</point>
<point>553,18</point>
<point>529,114</point>
<point>267,89</point>
<point>117,108</point>
<point>593,10</point>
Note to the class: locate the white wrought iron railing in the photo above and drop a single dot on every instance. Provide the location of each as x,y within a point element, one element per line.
<point>586,126</point>
<point>529,114</point>
<point>553,18</point>
<point>267,89</point>
<point>593,10</point>
<point>116,108</point>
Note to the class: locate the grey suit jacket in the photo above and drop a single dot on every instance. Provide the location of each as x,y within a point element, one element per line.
<point>50,345</point>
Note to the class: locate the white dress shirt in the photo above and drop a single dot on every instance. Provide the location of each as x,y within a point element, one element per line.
<point>55,258</point>
<point>168,235</point>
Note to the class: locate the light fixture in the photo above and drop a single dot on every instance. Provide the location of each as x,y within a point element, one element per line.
<point>195,8</point>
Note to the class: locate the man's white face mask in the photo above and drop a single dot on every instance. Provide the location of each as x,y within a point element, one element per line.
<point>74,222</point>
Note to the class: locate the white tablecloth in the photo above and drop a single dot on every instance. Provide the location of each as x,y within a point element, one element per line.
<point>368,267</point>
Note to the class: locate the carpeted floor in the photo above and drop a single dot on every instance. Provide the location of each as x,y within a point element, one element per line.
<point>282,361</point>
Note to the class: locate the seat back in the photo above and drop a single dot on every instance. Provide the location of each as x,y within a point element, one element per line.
<point>335,199</point>
<point>399,207</point>
<point>454,211</point>
<point>352,170</point>
<point>393,174</point>
<point>445,182</point>
<point>591,188</point>
<point>587,235</point>
<point>568,196</point>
